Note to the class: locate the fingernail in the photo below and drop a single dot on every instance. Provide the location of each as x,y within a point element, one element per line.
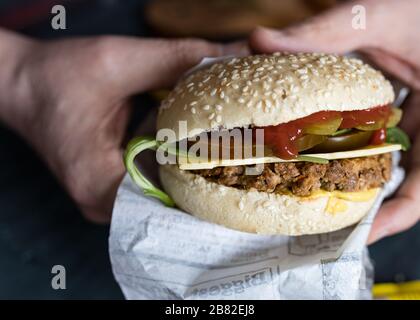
<point>237,48</point>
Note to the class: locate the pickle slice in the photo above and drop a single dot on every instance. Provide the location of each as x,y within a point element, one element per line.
<point>345,142</point>
<point>323,128</point>
<point>394,117</point>
<point>309,141</point>
<point>375,125</point>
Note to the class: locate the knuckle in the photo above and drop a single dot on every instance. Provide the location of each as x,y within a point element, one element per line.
<point>189,50</point>
<point>104,53</point>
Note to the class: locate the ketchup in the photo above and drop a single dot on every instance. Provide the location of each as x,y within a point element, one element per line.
<point>378,137</point>
<point>355,118</point>
<point>282,138</point>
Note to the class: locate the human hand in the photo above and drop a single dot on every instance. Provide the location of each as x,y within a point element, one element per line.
<point>390,40</point>
<point>76,94</point>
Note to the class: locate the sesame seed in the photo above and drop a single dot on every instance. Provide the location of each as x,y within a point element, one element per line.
<point>241,100</point>
<point>206,107</point>
<point>266,86</point>
<point>213,92</point>
<point>193,111</point>
<point>193,103</point>
<point>218,107</point>
<point>211,116</point>
<point>219,118</point>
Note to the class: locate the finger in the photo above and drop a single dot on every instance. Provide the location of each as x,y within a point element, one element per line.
<point>139,65</point>
<point>400,213</point>
<point>403,70</point>
<point>331,31</point>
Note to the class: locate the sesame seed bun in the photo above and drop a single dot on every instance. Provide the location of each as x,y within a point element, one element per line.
<point>264,90</point>
<point>257,212</point>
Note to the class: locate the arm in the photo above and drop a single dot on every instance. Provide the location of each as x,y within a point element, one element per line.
<point>70,100</point>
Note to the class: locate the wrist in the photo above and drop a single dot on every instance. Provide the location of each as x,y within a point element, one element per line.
<point>16,103</point>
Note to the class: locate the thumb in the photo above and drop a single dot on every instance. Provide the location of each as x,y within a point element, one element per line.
<point>142,65</point>
<point>400,213</point>
<point>330,32</point>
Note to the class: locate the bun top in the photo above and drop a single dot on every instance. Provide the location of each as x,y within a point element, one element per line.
<point>265,90</point>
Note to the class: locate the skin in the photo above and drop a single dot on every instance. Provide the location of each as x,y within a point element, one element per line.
<point>390,40</point>
<point>70,100</point>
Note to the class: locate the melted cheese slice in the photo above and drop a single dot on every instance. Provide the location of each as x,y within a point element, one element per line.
<point>355,196</point>
<point>337,199</point>
<point>196,164</point>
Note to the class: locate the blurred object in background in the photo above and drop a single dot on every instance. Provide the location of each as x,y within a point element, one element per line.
<point>227,19</point>
<point>397,291</point>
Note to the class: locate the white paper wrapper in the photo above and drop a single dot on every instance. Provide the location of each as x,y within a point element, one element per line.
<point>164,253</point>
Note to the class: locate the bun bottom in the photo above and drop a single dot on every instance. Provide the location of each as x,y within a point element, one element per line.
<point>257,212</point>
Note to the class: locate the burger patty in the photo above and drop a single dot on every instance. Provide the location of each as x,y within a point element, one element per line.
<point>303,178</point>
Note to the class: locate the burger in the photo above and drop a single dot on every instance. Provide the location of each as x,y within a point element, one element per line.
<point>324,128</point>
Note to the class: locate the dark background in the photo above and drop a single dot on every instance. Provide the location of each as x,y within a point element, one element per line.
<point>41,227</point>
